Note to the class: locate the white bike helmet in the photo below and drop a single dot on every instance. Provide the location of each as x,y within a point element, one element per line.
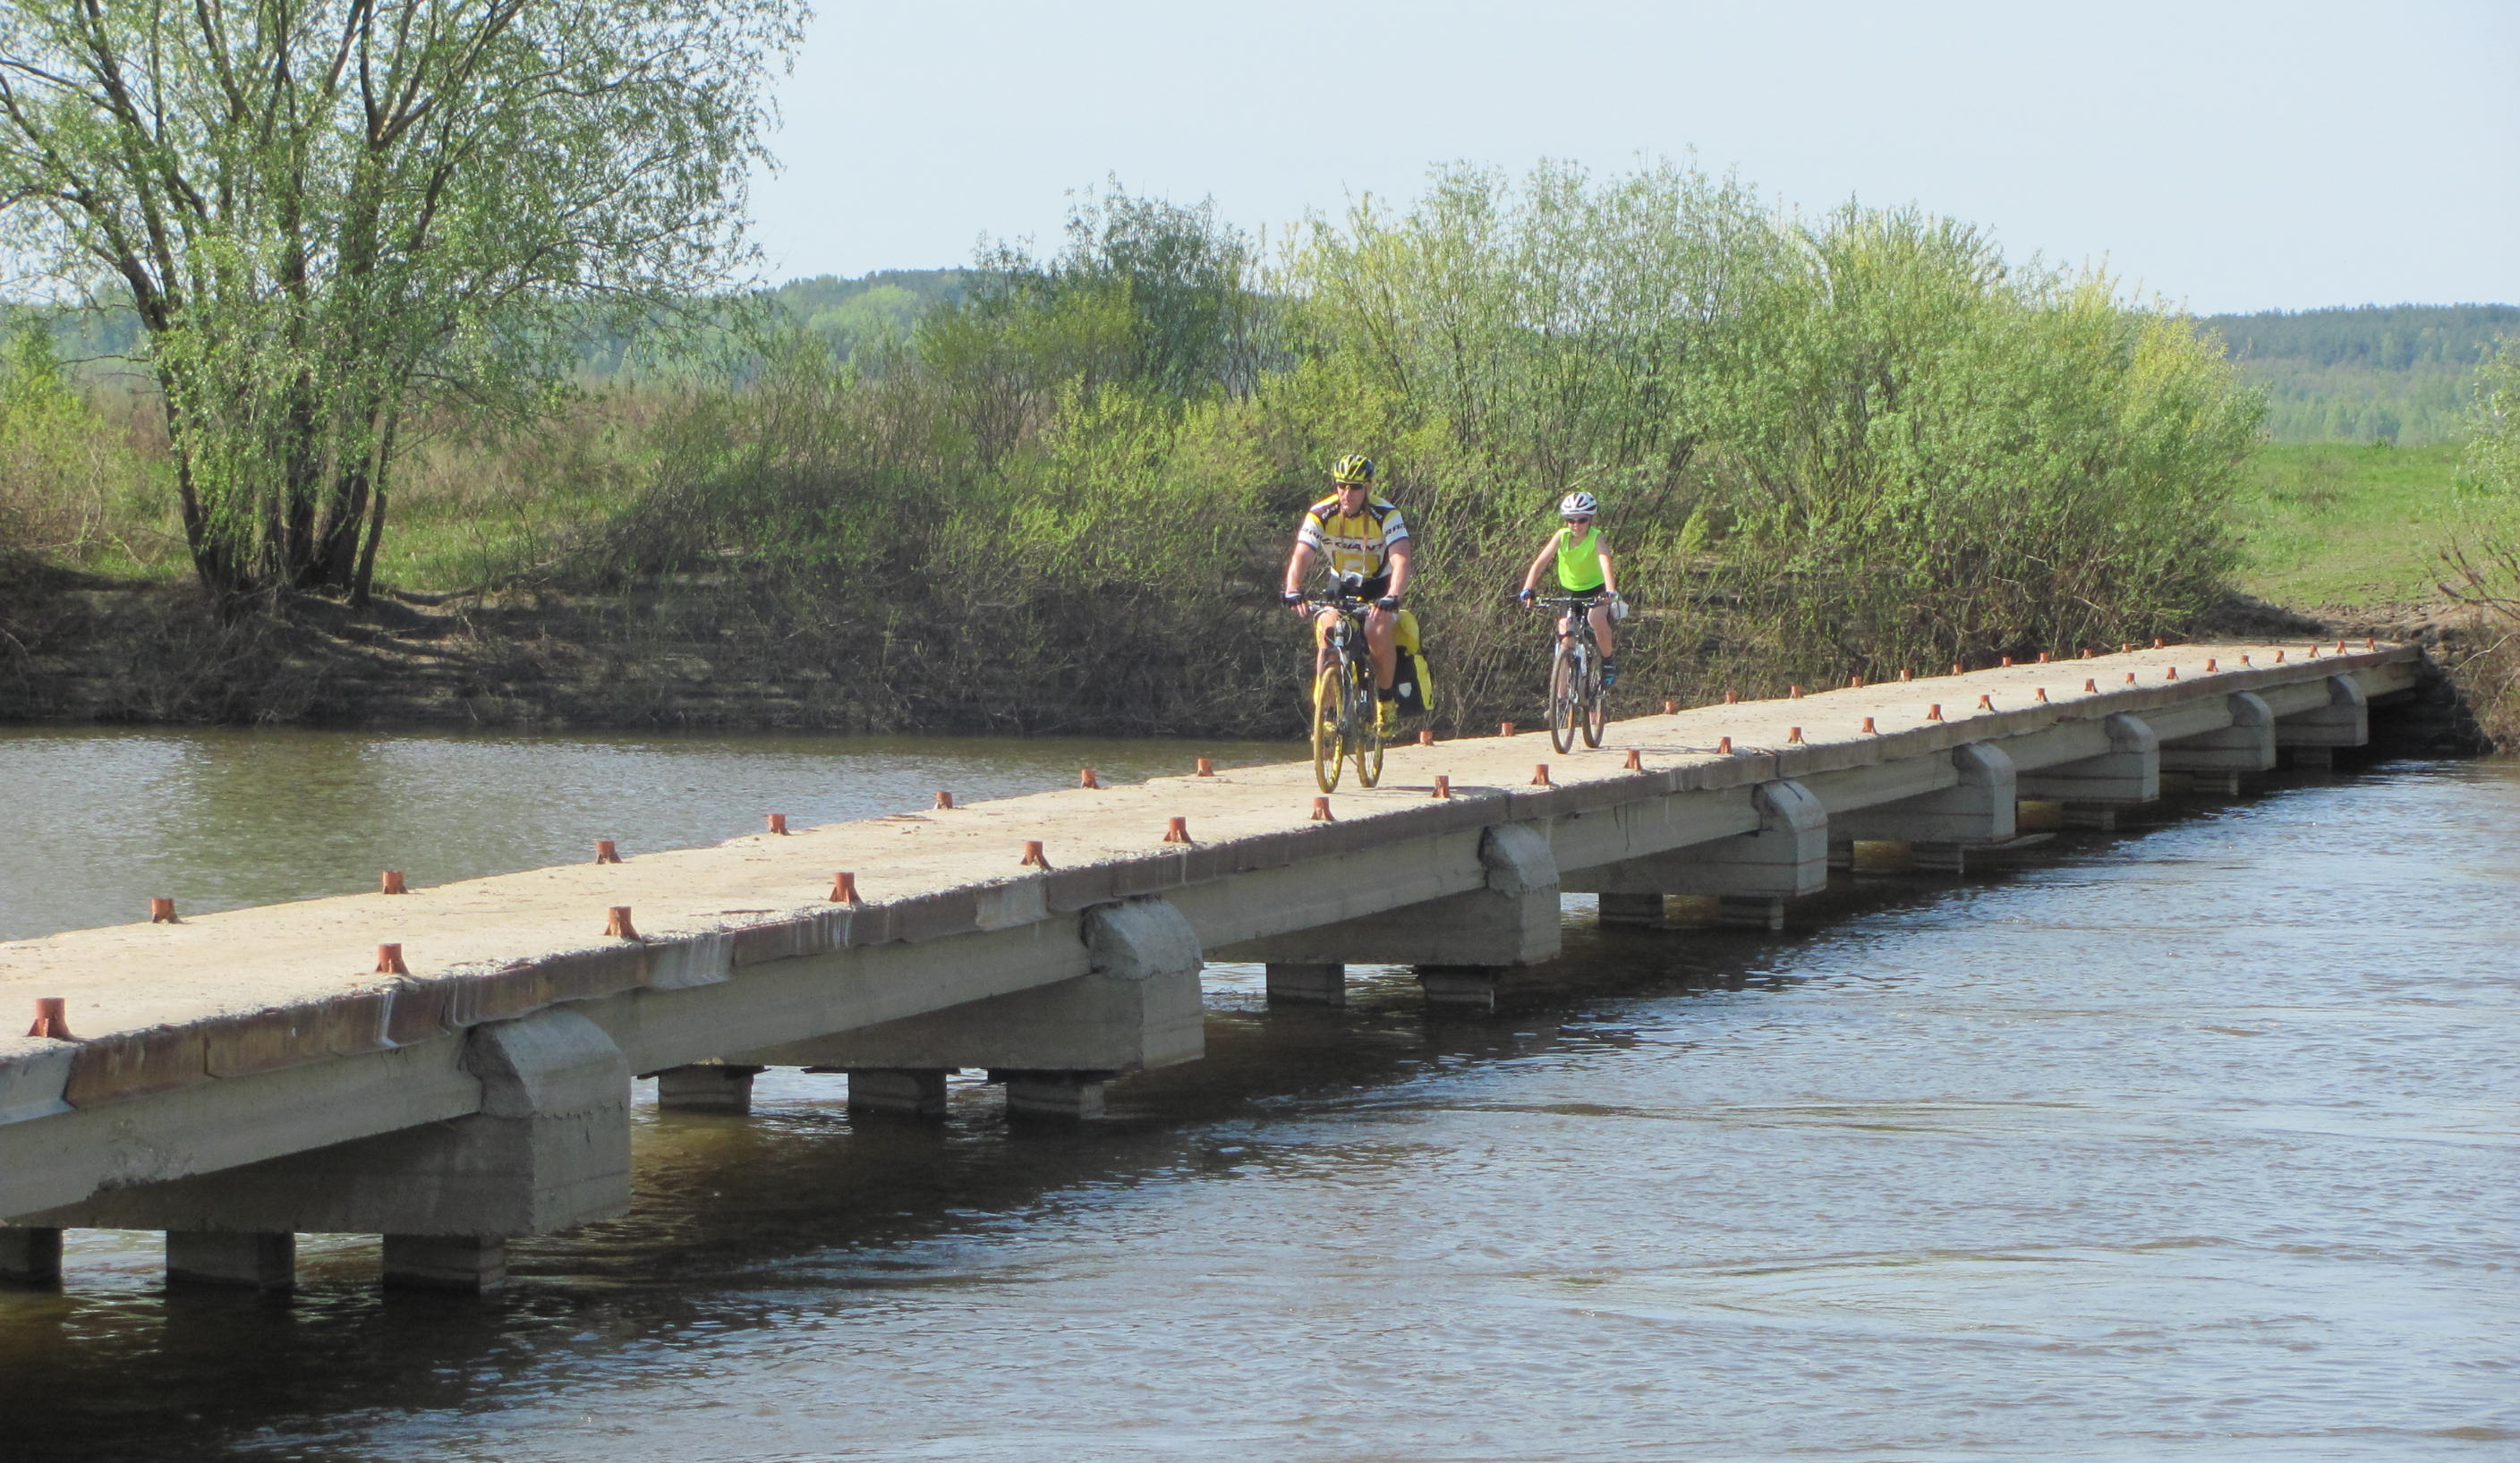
<point>1578,503</point>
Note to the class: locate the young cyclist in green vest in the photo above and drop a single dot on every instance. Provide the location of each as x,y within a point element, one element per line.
<point>1584,572</point>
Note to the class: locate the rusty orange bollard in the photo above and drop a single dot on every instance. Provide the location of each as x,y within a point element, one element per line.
<point>617,923</point>
<point>1322,811</point>
<point>1723,744</point>
<point>1085,778</point>
<point>392,883</point>
<point>1177,832</point>
<point>1505,729</point>
<point>1539,776</point>
<point>1636,760</point>
<point>1033,857</point>
<point>1934,713</point>
<point>389,960</point>
<point>779,824</point>
<point>1443,786</point>
<point>944,799</point>
<point>844,888</point>
<point>1793,733</point>
<point>162,911</point>
<point>1207,766</point>
<point>606,853</point>
<point>1868,727</point>
<point>52,1018</point>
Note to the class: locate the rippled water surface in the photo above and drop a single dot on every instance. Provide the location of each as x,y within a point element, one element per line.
<point>2193,1141</point>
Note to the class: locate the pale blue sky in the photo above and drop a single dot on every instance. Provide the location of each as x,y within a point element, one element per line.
<point>2230,156</point>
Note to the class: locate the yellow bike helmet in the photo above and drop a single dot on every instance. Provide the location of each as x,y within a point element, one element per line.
<point>1356,466</point>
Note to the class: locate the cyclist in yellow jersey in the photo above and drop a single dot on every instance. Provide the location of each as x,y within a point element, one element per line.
<point>1584,572</point>
<point>1354,532</point>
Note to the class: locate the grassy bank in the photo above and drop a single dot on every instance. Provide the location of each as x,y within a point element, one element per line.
<point>2341,526</point>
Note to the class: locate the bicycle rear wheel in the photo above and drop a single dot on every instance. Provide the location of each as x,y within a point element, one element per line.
<point>1595,709</point>
<point>1365,737</point>
<point>1329,711</point>
<point>1564,690</point>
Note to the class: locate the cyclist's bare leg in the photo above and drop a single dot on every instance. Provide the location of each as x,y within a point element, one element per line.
<point>1600,617</point>
<point>1378,625</point>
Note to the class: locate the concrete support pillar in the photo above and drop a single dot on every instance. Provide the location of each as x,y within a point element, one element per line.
<point>1074,1096</point>
<point>1459,987</point>
<point>2214,761</point>
<point>707,1088</point>
<point>2319,758</point>
<point>550,1149</point>
<point>470,1263</point>
<point>898,1091</point>
<point>2344,722</point>
<point>1751,912</point>
<point>31,1256</point>
<point>1137,1007</point>
<point>1632,910</point>
<point>1785,857</point>
<point>1513,920</point>
<point>2092,789</point>
<point>1321,983</point>
<point>211,1256</point>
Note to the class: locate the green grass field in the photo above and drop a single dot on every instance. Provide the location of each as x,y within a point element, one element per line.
<point>2333,524</point>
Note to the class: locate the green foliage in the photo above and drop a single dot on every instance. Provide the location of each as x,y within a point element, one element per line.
<point>2494,456</point>
<point>2368,374</point>
<point>71,487</point>
<point>330,219</point>
<point>1852,444</point>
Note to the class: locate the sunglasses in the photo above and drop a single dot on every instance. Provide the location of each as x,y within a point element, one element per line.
<point>1579,518</point>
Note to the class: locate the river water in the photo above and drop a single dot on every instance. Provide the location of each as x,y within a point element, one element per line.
<point>2193,1141</point>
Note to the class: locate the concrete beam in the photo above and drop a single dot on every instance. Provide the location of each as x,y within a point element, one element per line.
<point>1137,1005</point>
<point>2126,775</point>
<point>2214,761</point>
<point>1785,856</point>
<point>549,1148</point>
<point>1977,809</point>
<point>2344,721</point>
<point>1512,920</point>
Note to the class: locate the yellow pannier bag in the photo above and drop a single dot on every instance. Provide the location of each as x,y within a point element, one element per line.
<point>1412,683</point>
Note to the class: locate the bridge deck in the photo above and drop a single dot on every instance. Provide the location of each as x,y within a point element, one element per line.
<point>158,1008</point>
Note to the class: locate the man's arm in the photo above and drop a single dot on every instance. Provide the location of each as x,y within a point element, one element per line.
<point>1399,556</point>
<point>1297,563</point>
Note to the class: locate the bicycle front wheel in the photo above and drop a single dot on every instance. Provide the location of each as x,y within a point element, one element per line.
<point>1329,711</point>
<point>1595,712</point>
<point>1365,735</point>
<point>1565,678</point>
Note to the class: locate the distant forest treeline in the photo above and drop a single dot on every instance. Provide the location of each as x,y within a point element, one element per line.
<point>2403,374</point>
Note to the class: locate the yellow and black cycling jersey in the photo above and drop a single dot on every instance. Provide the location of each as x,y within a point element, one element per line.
<point>1352,544</point>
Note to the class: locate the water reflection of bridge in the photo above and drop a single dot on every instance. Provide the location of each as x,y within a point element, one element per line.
<point>239,1078</point>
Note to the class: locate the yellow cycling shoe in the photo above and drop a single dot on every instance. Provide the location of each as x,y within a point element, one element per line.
<point>1386,717</point>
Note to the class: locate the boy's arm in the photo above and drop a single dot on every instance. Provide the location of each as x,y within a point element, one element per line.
<point>1609,577</point>
<point>1531,576</point>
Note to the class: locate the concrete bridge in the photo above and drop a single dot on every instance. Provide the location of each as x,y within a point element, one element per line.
<point>453,1067</point>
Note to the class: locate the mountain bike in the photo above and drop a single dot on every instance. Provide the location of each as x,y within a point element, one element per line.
<point>1344,725</point>
<point>1574,675</point>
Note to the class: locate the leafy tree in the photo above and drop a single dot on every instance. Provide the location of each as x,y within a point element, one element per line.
<point>336,218</point>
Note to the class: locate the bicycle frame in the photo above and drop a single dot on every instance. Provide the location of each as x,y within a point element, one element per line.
<point>1574,674</point>
<point>1345,712</point>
